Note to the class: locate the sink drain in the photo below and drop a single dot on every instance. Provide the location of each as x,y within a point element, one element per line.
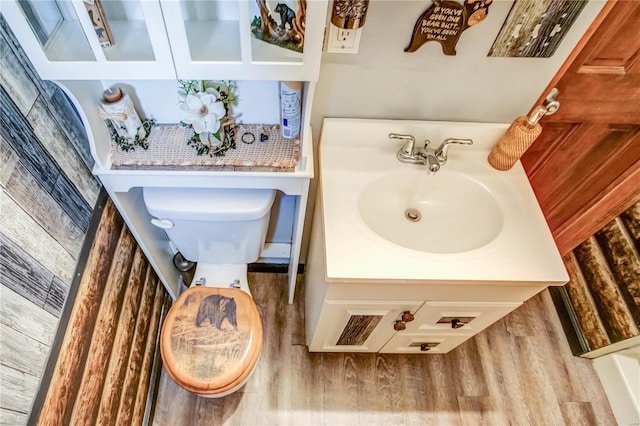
<point>413,215</point>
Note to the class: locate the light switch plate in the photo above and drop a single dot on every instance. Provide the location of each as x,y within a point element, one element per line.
<point>341,40</point>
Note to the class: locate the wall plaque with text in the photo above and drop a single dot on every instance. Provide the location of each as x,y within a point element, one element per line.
<point>442,22</point>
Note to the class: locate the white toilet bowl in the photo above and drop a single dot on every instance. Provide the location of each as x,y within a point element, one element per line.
<point>211,338</point>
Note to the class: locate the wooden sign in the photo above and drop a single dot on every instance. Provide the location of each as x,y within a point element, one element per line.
<point>534,29</point>
<point>442,22</point>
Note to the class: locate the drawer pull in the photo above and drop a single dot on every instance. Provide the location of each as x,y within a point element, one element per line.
<point>399,326</point>
<point>407,316</point>
<point>456,323</point>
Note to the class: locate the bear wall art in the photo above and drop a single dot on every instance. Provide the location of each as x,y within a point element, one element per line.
<point>280,23</point>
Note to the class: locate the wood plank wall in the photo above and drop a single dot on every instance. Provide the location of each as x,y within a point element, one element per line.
<point>47,194</point>
<point>604,290</point>
<point>108,362</point>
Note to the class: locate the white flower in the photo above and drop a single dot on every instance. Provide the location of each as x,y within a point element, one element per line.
<point>203,111</point>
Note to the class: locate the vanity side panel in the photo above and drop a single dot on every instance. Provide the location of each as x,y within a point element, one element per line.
<point>315,278</point>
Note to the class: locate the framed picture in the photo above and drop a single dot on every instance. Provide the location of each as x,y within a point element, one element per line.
<point>535,29</point>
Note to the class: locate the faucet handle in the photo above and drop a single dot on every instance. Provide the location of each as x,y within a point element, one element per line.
<point>442,150</point>
<point>407,148</point>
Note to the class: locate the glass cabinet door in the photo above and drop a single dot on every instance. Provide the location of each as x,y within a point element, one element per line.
<point>92,39</point>
<point>229,38</point>
<point>55,27</point>
<point>212,30</point>
<point>128,37</point>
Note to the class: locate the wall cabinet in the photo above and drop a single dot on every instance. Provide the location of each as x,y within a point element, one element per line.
<point>162,39</point>
<point>70,49</point>
<point>214,38</point>
<point>157,42</point>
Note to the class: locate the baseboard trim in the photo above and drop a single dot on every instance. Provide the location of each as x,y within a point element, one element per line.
<point>569,320</point>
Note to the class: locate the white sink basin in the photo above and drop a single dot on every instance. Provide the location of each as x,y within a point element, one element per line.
<point>443,212</point>
<point>475,223</point>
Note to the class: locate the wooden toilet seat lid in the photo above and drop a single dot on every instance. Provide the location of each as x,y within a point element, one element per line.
<point>211,339</point>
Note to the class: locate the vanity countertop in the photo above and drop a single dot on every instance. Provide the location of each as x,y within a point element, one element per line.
<point>354,153</point>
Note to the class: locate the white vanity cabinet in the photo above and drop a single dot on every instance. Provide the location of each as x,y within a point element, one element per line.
<point>386,316</point>
<point>399,326</point>
<point>162,39</point>
<point>372,284</point>
<point>157,42</point>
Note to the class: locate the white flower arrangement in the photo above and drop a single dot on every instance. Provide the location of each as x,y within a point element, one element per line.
<point>206,108</point>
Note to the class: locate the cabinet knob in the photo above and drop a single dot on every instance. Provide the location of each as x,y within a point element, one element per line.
<point>424,347</point>
<point>399,326</point>
<point>456,323</point>
<point>407,316</point>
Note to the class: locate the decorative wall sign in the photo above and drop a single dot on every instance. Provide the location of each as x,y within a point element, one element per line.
<point>535,28</point>
<point>282,24</point>
<point>444,21</point>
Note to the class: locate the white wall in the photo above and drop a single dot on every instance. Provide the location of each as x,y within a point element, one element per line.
<point>383,81</point>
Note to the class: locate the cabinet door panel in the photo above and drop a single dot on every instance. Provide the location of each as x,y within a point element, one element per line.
<point>457,317</point>
<point>408,343</point>
<point>203,31</point>
<point>44,30</point>
<point>220,38</point>
<point>351,326</point>
<point>129,40</point>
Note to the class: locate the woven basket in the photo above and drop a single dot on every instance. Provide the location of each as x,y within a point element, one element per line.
<point>515,141</point>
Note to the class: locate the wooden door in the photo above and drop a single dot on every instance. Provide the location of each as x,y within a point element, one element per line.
<point>585,167</point>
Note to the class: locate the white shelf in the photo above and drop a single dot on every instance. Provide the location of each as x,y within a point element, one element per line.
<point>213,41</point>
<point>131,42</point>
<point>262,51</point>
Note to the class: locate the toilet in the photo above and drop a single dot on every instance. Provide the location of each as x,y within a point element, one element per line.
<point>211,338</point>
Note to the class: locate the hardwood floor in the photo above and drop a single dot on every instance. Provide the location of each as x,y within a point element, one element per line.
<point>520,371</point>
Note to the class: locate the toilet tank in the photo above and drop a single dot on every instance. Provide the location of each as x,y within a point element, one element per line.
<point>212,225</point>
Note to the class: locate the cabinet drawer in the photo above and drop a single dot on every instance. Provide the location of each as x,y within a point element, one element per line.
<point>457,317</point>
<point>408,343</point>
<point>348,326</point>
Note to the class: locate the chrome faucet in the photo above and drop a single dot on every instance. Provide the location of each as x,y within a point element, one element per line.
<point>432,158</point>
